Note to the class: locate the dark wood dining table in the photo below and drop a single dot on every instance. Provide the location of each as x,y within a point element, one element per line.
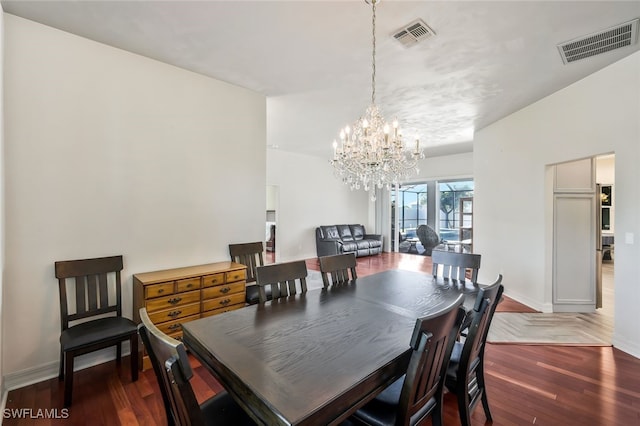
<point>314,358</point>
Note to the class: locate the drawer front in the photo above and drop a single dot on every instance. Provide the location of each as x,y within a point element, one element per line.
<point>187,285</point>
<point>173,300</point>
<point>221,310</point>
<point>240,274</point>
<point>177,335</point>
<point>223,302</point>
<point>223,290</point>
<point>175,313</point>
<point>157,290</point>
<point>213,279</point>
<point>171,327</point>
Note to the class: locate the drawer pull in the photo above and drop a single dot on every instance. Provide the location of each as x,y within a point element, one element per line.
<point>161,291</point>
<point>189,285</point>
<point>225,302</point>
<point>225,290</point>
<point>174,314</point>
<point>175,327</point>
<point>174,300</point>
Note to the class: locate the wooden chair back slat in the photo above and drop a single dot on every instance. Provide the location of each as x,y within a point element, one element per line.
<point>248,254</point>
<point>338,267</point>
<point>455,265</point>
<point>92,293</point>
<point>282,277</point>
<point>103,290</point>
<point>81,297</point>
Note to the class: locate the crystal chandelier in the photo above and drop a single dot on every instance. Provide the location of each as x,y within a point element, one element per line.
<point>371,153</point>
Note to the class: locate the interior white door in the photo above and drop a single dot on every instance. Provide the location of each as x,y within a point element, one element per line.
<point>574,253</point>
<point>574,236</point>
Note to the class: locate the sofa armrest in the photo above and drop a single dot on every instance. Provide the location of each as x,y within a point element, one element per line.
<point>373,237</point>
<point>328,247</point>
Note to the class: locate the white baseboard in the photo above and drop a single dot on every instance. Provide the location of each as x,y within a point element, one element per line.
<point>4,402</point>
<point>622,343</point>
<point>546,307</point>
<point>49,370</point>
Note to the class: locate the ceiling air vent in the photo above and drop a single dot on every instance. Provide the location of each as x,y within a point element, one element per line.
<point>603,41</point>
<point>413,33</point>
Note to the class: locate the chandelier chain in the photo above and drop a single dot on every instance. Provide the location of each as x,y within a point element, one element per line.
<point>373,54</point>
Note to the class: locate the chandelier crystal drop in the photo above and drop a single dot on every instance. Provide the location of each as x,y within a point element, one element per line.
<point>371,153</point>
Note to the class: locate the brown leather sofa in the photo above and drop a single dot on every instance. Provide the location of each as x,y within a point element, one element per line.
<point>339,239</point>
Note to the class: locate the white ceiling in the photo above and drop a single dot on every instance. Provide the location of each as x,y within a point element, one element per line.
<point>312,59</point>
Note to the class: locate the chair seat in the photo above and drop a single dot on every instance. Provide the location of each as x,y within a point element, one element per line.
<point>90,332</point>
<point>253,295</point>
<point>381,411</point>
<point>221,409</point>
<point>452,369</point>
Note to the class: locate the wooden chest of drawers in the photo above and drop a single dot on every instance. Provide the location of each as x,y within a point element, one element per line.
<point>175,296</point>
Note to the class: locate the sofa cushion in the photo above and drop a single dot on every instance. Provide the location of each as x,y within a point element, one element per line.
<point>375,250</point>
<point>330,232</point>
<point>345,232</point>
<point>357,231</point>
<point>349,246</point>
<point>363,244</point>
<point>363,252</point>
<point>374,243</point>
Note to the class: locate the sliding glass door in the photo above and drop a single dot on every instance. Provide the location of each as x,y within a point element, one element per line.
<point>433,203</point>
<point>450,217</point>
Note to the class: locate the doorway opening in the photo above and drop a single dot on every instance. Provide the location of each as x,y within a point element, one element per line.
<point>605,179</point>
<point>271,223</point>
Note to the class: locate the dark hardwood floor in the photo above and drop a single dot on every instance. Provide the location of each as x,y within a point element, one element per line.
<point>541,385</point>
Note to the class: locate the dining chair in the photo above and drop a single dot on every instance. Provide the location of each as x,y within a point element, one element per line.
<point>340,267</point>
<point>416,396</point>
<point>172,369</point>
<point>250,255</point>
<point>91,299</point>
<point>465,374</point>
<point>455,265</point>
<point>281,279</point>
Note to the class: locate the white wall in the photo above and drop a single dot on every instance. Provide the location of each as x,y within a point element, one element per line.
<point>458,166</point>
<point>605,170</point>
<point>310,196</point>
<point>108,152</point>
<point>599,114</point>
